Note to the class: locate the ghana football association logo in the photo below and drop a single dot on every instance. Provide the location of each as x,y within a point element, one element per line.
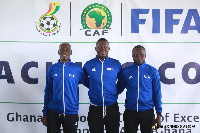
<point>48,23</point>
<point>96,16</point>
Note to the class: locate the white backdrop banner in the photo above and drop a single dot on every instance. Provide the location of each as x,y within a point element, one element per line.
<point>31,31</point>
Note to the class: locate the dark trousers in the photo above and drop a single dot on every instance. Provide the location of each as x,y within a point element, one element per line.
<point>96,121</point>
<point>132,119</point>
<point>54,121</point>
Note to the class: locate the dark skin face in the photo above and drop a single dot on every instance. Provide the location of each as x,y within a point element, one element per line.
<point>102,48</point>
<point>139,55</point>
<point>64,52</point>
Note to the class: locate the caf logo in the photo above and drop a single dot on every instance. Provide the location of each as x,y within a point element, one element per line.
<point>48,23</point>
<point>96,16</point>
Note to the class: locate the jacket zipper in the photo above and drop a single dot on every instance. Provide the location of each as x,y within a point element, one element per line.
<point>64,88</point>
<point>138,86</point>
<point>104,113</point>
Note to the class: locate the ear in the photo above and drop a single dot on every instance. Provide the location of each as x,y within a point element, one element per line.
<point>71,52</point>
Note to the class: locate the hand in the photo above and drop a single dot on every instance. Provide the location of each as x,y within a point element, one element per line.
<point>44,120</point>
<point>157,121</point>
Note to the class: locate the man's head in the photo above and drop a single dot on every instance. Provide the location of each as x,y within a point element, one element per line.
<point>139,54</point>
<point>102,48</point>
<point>64,52</point>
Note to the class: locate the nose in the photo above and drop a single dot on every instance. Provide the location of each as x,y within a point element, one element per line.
<point>139,57</point>
<point>65,51</point>
<point>102,49</point>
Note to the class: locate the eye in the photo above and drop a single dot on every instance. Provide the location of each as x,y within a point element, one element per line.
<point>142,55</point>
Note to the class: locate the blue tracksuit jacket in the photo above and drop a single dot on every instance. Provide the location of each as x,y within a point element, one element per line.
<point>61,91</point>
<point>102,80</point>
<point>143,87</point>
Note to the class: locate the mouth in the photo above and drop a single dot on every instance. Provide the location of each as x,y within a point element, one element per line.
<point>64,55</point>
<point>102,53</point>
<point>139,61</point>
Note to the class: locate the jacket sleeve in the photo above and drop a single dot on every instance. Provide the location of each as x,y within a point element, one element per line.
<point>121,84</point>
<point>84,78</point>
<point>48,90</point>
<point>157,92</point>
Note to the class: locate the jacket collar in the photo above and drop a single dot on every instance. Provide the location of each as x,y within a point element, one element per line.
<point>104,60</point>
<point>140,65</point>
<point>66,64</point>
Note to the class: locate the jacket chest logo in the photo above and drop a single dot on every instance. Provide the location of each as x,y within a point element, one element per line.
<point>146,77</point>
<point>110,69</point>
<point>93,69</point>
<point>70,75</point>
<point>130,77</point>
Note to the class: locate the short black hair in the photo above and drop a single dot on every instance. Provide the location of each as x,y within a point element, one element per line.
<point>139,46</point>
<point>102,39</point>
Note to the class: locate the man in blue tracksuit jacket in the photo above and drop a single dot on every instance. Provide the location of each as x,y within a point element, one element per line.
<point>103,73</point>
<point>61,100</point>
<point>142,82</point>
